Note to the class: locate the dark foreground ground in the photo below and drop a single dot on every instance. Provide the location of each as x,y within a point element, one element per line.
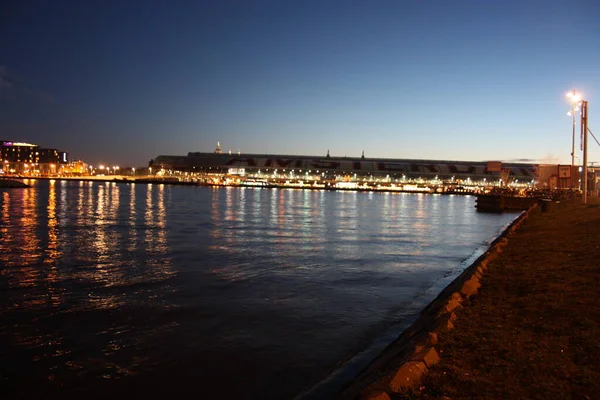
<point>533,331</point>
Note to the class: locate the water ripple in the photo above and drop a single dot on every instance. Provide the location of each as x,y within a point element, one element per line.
<point>104,283</point>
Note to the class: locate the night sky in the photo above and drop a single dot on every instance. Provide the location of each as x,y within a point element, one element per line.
<point>121,82</point>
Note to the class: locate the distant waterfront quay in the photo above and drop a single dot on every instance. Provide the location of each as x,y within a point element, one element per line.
<point>268,181</point>
<point>146,290</point>
<point>298,178</point>
<point>24,160</point>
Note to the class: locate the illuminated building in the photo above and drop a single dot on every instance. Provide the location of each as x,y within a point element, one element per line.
<point>331,166</point>
<point>19,157</point>
<point>15,152</point>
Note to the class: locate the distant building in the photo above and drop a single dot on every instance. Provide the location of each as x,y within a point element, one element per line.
<point>19,157</point>
<point>331,166</point>
<point>76,167</point>
<point>53,156</point>
<point>15,152</point>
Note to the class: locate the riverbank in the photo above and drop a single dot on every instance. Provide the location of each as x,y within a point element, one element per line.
<point>532,329</point>
<point>507,198</point>
<point>265,184</point>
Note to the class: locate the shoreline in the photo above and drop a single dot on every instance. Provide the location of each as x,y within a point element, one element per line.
<point>347,373</point>
<point>415,347</point>
<point>437,190</point>
<point>477,328</point>
<point>273,185</point>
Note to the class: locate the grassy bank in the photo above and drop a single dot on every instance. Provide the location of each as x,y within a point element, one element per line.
<point>533,330</point>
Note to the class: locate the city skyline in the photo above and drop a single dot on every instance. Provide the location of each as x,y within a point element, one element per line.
<point>121,84</point>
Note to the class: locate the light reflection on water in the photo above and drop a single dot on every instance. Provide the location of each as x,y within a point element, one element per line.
<point>63,262</point>
<point>151,282</point>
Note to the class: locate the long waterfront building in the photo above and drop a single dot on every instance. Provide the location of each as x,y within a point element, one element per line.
<point>335,166</point>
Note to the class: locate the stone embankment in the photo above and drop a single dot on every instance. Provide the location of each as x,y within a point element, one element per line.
<point>521,322</point>
<point>403,364</point>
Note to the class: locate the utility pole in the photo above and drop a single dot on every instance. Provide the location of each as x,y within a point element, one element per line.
<point>573,142</point>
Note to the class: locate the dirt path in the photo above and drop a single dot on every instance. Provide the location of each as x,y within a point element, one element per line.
<point>533,331</point>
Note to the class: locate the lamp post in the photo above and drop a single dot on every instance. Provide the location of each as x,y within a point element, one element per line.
<point>574,97</point>
<point>572,113</point>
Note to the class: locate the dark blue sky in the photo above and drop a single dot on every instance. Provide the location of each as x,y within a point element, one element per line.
<point>121,82</point>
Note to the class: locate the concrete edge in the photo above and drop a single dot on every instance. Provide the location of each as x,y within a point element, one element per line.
<point>402,365</point>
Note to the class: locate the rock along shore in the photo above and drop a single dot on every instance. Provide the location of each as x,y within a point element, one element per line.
<point>522,322</point>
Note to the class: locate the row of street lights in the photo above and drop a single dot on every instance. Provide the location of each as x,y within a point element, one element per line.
<point>108,168</point>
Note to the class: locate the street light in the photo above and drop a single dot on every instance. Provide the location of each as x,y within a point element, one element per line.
<point>577,100</point>
<point>574,97</point>
<point>572,114</point>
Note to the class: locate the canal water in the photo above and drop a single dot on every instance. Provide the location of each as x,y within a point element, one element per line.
<point>146,290</point>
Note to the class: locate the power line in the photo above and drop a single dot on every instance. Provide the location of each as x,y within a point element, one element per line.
<point>590,131</point>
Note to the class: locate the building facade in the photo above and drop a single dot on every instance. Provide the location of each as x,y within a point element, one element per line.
<point>330,167</point>
<point>31,159</point>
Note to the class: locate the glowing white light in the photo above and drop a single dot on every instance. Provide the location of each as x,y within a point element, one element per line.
<point>574,96</point>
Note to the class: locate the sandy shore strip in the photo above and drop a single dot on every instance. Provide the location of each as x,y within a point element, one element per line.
<point>532,330</point>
